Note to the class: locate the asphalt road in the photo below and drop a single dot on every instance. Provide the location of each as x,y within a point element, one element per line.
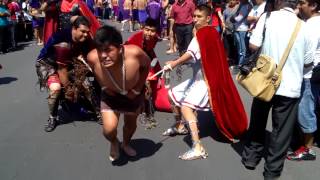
<point>77,150</point>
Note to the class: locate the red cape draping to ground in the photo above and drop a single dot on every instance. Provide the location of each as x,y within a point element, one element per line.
<point>160,96</point>
<point>52,15</point>
<point>50,22</point>
<point>225,101</point>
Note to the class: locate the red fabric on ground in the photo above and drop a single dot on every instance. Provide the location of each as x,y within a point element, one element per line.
<point>226,105</point>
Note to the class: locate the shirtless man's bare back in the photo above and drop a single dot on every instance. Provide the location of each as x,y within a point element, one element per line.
<point>121,71</point>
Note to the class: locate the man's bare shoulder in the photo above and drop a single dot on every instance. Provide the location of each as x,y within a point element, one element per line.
<point>92,56</point>
<point>133,49</point>
<point>136,53</point>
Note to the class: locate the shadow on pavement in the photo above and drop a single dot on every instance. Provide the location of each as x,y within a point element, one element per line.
<point>239,146</point>
<point>74,115</point>
<point>144,147</point>
<point>7,80</point>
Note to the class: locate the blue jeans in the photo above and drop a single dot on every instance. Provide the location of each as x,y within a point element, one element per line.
<point>241,44</point>
<point>306,114</point>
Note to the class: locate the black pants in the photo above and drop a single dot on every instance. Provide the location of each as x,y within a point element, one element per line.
<point>284,115</point>
<point>184,36</point>
<point>4,40</point>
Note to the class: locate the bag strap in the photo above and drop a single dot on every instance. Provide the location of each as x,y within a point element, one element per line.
<point>286,52</point>
<point>264,32</point>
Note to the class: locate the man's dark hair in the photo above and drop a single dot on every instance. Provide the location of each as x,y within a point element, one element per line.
<point>204,8</point>
<point>315,3</point>
<point>152,23</point>
<point>285,3</point>
<point>81,20</point>
<point>107,35</point>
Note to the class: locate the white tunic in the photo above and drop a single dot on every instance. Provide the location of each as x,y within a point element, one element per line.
<point>192,92</point>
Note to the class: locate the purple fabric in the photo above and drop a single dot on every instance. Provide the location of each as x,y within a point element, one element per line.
<point>116,10</point>
<point>154,9</point>
<point>126,14</point>
<point>135,14</point>
<point>90,4</point>
<point>37,22</point>
<point>143,15</point>
<point>35,4</point>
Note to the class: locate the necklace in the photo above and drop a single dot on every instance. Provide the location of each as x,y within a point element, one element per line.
<point>123,89</point>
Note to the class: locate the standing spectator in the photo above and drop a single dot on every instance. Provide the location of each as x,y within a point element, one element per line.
<point>229,42</point>
<point>172,35</point>
<point>164,19</point>
<point>307,117</point>
<point>217,20</point>
<point>37,21</point>
<point>142,12</point>
<point>126,14</point>
<point>98,8</point>
<point>14,8</point>
<point>135,14</point>
<point>154,9</point>
<point>241,29</point>
<point>182,13</point>
<point>90,4</point>
<point>4,23</point>
<point>27,20</point>
<point>115,9</point>
<point>284,105</point>
<point>255,14</point>
<point>106,13</point>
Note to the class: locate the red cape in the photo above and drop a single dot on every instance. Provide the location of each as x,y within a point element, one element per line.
<point>225,101</point>
<point>52,15</point>
<point>51,22</point>
<point>85,11</point>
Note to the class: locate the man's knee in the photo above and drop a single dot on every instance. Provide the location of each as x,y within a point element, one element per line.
<point>108,133</point>
<point>55,87</point>
<point>186,109</point>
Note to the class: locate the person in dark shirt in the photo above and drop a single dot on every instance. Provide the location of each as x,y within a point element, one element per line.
<point>61,54</point>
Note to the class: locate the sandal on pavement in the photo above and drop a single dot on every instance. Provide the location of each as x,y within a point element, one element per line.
<point>193,154</point>
<point>173,131</point>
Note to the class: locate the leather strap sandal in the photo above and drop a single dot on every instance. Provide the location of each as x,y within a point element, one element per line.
<point>173,131</point>
<point>193,154</point>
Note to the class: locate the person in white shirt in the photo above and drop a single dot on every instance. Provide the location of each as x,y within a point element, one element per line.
<point>255,14</point>
<point>284,105</point>
<point>309,9</point>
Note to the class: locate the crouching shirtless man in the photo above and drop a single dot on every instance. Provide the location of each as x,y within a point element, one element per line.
<point>121,71</point>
